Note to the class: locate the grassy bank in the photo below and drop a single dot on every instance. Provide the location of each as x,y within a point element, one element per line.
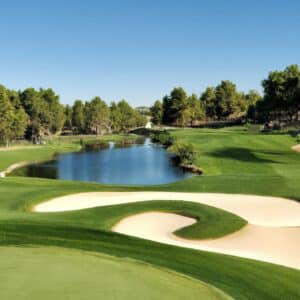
<point>234,160</point>
<point>25,152</point>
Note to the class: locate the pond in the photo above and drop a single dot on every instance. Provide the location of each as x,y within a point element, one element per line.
<point>138,164</point>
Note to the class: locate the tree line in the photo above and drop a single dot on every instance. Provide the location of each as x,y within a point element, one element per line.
<point>279,103</point>
<point>33,114</point>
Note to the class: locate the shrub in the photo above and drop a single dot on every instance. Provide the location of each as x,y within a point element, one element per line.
<point>164,138</point>
<point>95,145</point>
<point>185,152</point>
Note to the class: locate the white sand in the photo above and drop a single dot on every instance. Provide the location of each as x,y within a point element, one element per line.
<point>272,235</point>
<point>259,210</point>
<point>270,244</point>
<point>296,148</point>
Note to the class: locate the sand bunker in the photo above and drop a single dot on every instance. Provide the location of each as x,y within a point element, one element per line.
<point>296,148</point>
<point>271,244</point>
<point>259,210</point>
<point>272,235</point>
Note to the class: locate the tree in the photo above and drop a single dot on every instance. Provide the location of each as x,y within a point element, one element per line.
<point>227,99</point>
<point>14,98</point>
<point>156,112</point>
<point>115,117</point>
<point>126,116</point>
<point>281,95</point>
<point>195,109</point>
<point>78,116</point>
<point>167,106</point>
<point>38,112</point>
<point>175,107</point>
<point>179,106</point>
<point>68,117</point>
<point>19,123</point>
<point>56,116</point>
<point>97,118</point>
<point>208,98</point>
<point>12,120</point>
<point>252,98</point>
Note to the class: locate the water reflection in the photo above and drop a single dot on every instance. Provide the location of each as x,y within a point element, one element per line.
<point>144,164</point>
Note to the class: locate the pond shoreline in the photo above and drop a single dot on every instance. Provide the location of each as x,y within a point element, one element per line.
<point>128,163</point>
<point>83,147</point>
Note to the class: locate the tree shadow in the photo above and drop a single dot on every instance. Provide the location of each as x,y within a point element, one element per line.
<point>243,154</point>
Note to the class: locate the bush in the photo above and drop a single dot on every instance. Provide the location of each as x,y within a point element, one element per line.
<point>94,145</point>
<point>164,138</point>
<point>185,152</point>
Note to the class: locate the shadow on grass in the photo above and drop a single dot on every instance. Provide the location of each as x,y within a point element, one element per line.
<point>243,154</point>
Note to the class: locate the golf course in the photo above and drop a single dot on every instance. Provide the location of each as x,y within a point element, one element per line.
<point>231,233</point>
<point>150,150</point>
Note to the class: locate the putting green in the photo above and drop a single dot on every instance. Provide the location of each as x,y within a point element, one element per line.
<point>58,273</point>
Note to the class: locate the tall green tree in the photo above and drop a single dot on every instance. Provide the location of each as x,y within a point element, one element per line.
<point>56,116</point>
<point>195,109</point>
<point>68,117</point>
<point>156,112</point>
<point>228,100</point>
<point>78,120</point>
<point>179,106</point>
<point>252,98</point>
<point>12,120</point>
<point>115,117</point>
<point>98,116</point>
<point>175,107</point>
<point>208,99</point>
<point>281,95</point>
<point>124,117</point>
<point>38,112</point>
<point>127,116</point>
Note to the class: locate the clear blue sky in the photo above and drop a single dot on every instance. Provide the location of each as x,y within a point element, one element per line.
<point>139,50</point>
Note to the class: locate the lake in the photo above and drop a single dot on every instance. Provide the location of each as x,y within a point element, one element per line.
<point>138,164</point>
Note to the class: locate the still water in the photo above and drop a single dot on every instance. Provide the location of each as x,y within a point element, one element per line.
<point>145,164</point>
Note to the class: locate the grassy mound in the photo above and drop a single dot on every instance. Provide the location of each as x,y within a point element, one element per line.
<point>211,222</point>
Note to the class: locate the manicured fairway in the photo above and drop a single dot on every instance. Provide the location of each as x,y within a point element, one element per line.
<point>58,273</point>
<point>234,161</point>
<point>239,278</point>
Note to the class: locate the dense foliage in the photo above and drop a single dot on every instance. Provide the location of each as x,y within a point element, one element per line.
<point>34,114</point>
<point>215,104</point>
<point>185,152</point>
<point>280,102</point>
<point>163,137</point>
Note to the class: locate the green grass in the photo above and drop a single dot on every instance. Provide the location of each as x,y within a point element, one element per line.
<point>56,145</point>
<point>237,277</point>
<point>103,277</point>
<point>235,160</point>
<point>211,222</point>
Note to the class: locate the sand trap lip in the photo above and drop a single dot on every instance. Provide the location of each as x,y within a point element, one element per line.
<point>258,210</point>
<point>272,235</point>
<point>279,245</point>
